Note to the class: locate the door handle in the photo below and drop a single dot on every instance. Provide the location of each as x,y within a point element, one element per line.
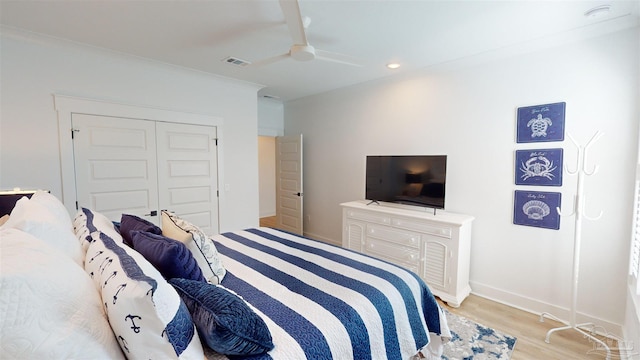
<point>152,213</point>
<point>298,194</point>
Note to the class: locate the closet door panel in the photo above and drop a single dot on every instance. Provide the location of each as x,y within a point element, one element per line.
<point>115,163</point>
<point>187,173</point>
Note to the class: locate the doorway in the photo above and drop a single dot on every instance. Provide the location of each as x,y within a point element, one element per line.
<point>280,158</point>
<point>267,180</point>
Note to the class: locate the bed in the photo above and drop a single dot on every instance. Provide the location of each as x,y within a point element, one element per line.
<point>252,294</point>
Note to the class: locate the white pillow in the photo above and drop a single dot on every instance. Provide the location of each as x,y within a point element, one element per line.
<point>55,206</point>
<point>49,307</point>
<point>201,246</point>
<point>52,227</point>
<point>145,312</point>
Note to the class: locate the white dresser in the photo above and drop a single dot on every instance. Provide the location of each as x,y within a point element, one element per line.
<point>436,247</point>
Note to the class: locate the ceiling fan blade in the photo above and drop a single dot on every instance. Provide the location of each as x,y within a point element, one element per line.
<point>270,60</point>
<point>291,11</point>
<point>338,58</point>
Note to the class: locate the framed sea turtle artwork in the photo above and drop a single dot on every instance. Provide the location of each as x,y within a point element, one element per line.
<point>541,123</point>
<point>539,167</point>
<point>537,208</point>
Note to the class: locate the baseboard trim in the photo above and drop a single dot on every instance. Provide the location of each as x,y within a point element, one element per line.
<point>322,238</point>
<point>538,307</point>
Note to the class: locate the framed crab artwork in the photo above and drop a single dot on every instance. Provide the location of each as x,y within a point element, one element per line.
<point>537,208</point>
<point>541,167</point>
<point>541,123</point>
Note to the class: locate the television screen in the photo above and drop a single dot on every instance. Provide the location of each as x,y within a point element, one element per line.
<point>407,179</point>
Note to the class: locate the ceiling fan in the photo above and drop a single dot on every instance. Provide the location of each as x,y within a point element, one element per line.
<point>301,50</point>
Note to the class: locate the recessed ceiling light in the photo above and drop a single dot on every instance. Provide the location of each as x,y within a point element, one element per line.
<point>598,11</point>
<point>393,65</point>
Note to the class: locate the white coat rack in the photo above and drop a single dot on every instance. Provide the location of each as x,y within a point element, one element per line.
<point>578,212</point>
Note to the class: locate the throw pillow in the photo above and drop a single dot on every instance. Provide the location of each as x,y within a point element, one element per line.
<point>201,246</point>
<point>226,323</point>
<point>145,312</point>
<point>55,206</point>
<point>51,227</point>
<point>88,221</point>
<point>170,257</point>
<point>129,223</point>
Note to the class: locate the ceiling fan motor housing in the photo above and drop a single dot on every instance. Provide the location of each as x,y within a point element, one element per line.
<point>302,52</point>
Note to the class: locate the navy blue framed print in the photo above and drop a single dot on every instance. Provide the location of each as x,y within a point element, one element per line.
<point>537,208</point>
<point>539,167</point>
<point>541,123</point>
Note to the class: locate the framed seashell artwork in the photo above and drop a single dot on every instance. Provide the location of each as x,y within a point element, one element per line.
<point>541,167</point>
<point>537,208</point>
<point>541,123</point>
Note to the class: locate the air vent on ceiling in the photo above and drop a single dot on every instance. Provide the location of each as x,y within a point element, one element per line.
<point>236,61</point>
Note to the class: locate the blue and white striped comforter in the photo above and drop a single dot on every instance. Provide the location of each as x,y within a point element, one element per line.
<point>324,302</point>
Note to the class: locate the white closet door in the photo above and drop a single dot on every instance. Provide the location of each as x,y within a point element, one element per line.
<point>115,164</point>
<point>187,173</point>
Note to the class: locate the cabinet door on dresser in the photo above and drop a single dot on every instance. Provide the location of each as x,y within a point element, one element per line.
<point>353,234</point>
<point>436,263</point>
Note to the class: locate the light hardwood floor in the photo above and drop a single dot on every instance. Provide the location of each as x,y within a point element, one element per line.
<point>564,345</point>
<point>268,221</point>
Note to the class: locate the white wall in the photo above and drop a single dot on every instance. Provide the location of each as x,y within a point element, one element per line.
<point>34,68</point>
<point>468,113</point>
<point>267,174</point>
<point>270,117</point>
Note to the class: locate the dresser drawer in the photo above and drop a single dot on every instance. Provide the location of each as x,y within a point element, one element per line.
<point>368,216</point>
<point>393,235</point>
<point>392,252</point>
<point>424,227</point>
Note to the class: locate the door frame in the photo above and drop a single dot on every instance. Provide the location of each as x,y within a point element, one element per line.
<point>66,106</point>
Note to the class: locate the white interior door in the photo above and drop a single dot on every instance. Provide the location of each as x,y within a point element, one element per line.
<point>289,191</point>
<point>115,164</point>
<point>188,173</point>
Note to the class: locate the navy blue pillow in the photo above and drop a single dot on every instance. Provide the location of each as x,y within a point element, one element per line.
<point>129,223</point>
<point>226,323</point>
<point>171,257</point>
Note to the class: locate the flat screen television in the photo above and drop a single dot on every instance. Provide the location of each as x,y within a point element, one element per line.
<point>417,180</point>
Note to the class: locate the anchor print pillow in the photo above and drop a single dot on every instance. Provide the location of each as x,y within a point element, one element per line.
<point>88,221</point>
<point>146,314</point>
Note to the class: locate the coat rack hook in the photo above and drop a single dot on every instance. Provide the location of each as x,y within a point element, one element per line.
<point>577,168</point>
<point>592,218</point>
<point>573,211</point>
<point>594,138</point>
